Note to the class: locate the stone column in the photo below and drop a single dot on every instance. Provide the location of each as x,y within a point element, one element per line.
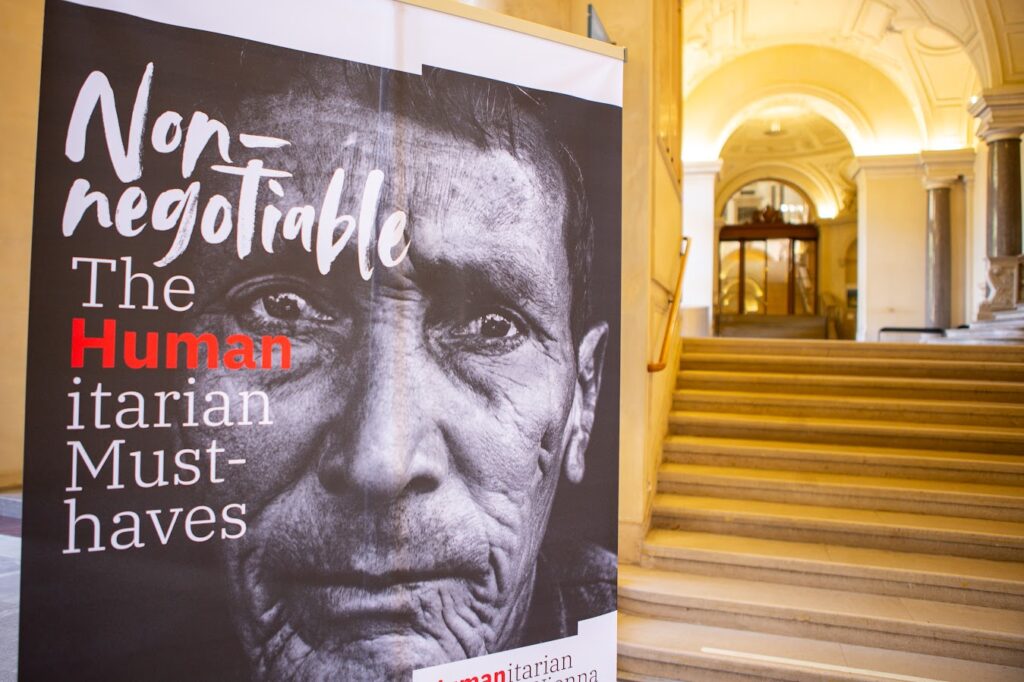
<point>938,264</point>
<point>1003,214</point>
<point>700,285</point>
<point>946,174</point>
<point>1001,122</point>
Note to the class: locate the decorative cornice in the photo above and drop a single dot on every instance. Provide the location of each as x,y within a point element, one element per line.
<point>1000,113</point>
<point>942,168</point>
<point>896,164</point>
<point>947,167</point>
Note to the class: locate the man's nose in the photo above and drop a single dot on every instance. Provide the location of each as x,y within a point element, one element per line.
<point>389,441</point>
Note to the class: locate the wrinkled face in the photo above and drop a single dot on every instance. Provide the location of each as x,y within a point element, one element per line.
<point>396,506</point>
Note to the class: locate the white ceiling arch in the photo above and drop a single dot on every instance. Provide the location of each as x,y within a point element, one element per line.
<point>788,143</point>
<point>938,53</point>
<point>831,106</point>
<point>822,201</point>
<point>867,107</point>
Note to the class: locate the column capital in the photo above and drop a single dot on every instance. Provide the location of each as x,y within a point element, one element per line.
<point>1000,114</point>
<point>944,168</point>
<point>712,167</point>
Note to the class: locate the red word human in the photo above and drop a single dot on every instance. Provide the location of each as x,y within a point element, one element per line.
<point>163,350</point>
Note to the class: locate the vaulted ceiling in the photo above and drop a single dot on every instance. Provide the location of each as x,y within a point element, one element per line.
<point>787,143</point>
<point>936,54</point>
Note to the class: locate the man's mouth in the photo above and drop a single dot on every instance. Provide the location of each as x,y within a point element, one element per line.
<point>370,582</point>
<point>335,610</point>
<point>348,596</point>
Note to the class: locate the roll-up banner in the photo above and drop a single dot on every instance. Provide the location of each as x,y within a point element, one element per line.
<point>324,346</point>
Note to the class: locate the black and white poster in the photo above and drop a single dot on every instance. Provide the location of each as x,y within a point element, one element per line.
<point>324,347</point>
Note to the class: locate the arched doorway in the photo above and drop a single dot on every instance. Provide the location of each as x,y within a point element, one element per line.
<point>768,264</point>
<point>785,210</point>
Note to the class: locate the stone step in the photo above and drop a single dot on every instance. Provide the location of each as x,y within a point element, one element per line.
<point>994,337</point>
<point>998,332</point>
<point>969,467</point>
<point>956,580</point>
<point>975,370</point>
<point>975,633</point>
<point>997,323</point>
<point>846,349</point>
<point>656,650</point>
<point>845,407</point>
<point>853,386</point>
<point>897,531</point>
<point>1013,314</point>
<point>973,500</point>
<point>971,342</point>
<point>992,440</point>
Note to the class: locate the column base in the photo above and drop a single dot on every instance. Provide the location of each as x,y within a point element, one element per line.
<point>1005,285</point>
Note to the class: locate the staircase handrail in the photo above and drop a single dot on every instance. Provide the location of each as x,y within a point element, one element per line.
<point>673,314</point>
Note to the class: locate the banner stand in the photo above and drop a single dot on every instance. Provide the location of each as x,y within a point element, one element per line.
<point>324,332</point>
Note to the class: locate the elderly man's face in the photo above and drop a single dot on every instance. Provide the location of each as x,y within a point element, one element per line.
<point>396,507</point>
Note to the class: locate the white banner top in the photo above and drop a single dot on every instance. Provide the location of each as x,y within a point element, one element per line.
<point>410,35</point>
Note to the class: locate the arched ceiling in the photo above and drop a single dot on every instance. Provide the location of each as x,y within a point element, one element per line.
<point>937,53</point>
<point>788,142</point>
<point>872,112</point>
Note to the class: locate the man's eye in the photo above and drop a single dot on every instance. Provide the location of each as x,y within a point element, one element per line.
<point>490,333</point>
<point>494,326</point>
<point>287,306</point>
<point>279,308</point>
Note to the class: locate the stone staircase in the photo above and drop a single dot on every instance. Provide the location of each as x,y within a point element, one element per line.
<point>1005,327</point>
<point>830,510</point>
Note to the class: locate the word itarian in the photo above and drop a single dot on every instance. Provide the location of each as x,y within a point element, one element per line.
<point>178,209</point>
<point>102,409</point>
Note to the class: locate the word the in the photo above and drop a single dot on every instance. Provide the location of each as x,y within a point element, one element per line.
<point>174,288</point>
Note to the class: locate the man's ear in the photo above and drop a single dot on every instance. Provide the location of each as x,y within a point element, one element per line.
<point>590,366</point>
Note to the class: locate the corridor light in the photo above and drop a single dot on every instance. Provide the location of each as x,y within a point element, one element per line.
<point>827,210</point>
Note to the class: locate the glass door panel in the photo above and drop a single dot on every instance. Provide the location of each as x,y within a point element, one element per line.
<point>729,268</point>
<point>755,276</point>
<point>774,275</point>
<point>805,277</point>
<point>777,273</point>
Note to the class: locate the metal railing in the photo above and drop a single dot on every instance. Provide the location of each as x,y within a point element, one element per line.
<point>673,314</point>
<point>935,331</point>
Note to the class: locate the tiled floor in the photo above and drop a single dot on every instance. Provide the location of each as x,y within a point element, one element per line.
<point>10,574</point>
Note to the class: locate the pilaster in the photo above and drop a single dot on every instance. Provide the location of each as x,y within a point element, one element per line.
<point>700,284</point>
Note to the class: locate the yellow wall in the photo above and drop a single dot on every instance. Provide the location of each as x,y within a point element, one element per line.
<point>20,43</point>
<point>555,13</point>
<point>959,205</point>
<point>651,229</point>
<point>892,216</point>
<point>976,273</point>
<point>651,221</point>
<point>834,238</point>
